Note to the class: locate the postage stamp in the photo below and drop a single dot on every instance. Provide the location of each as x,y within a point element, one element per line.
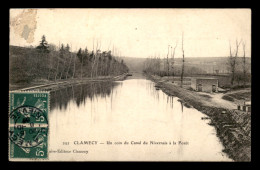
<point>28,125</point>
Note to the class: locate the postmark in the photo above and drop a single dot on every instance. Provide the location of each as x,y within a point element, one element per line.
<point>28,125</point>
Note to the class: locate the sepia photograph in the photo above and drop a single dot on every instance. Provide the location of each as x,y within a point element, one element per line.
<point>129,84</point>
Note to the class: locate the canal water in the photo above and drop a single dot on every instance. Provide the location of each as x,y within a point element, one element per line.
<point>142,123</point>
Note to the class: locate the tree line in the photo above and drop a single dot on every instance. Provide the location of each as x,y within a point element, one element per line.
<point>165,67</point>
<point>153,65</point>
<point>238,75</point>
<point>48,62</point>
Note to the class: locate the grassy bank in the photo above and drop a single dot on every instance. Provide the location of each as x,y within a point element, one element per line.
<point>232,126</point>
<point>52,85</point>
<point>238,95</point>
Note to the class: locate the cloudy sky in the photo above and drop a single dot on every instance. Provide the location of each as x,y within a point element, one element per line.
<point>135,32</point>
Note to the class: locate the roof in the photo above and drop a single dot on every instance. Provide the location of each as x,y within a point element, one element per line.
<point>247,103</point>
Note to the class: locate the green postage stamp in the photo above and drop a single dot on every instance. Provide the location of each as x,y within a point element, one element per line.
<point>28,125</point>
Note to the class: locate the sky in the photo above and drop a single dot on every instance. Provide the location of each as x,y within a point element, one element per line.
<point>136,32</point>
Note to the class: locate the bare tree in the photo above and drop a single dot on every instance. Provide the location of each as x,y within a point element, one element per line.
<point>98,56</point>
<point>63,69</point>
<point>182,70</point>
<point>167,63</point>
<point>57,69</point>
<point>50,64</point>
<point>81,66</point>
<point>244,64</point>
<point>80,57</point>
<point>74,67</point>
<point>93,62</point>
<point>70,61</point>
<point>63,55</point>
<point>232,60</point>
<point>173,54</point>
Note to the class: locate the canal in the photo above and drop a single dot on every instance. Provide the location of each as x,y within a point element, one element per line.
<point>85,118</point>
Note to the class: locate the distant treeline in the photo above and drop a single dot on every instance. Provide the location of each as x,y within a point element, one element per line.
<point>49,63</point>
<point>157,66</point>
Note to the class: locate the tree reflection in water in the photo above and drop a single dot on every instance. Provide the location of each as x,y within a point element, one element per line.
<point>79,93</point>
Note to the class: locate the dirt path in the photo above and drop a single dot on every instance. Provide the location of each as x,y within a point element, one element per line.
<point>216,100</point>
<point>239,96</point>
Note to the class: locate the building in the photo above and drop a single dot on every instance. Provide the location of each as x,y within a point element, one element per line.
<point>246,106</point>
<point>204,84</point>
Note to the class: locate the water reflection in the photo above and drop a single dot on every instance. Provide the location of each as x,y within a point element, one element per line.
<point>79,93</point>
<point>131,110</point>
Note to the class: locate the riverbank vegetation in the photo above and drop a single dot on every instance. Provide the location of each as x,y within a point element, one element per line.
<point>47,62</point>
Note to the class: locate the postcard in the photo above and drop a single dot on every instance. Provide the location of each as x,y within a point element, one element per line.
<point>127,84</point>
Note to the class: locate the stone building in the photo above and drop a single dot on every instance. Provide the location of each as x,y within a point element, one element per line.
<point>204,84</point>
<point>246,107</point>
